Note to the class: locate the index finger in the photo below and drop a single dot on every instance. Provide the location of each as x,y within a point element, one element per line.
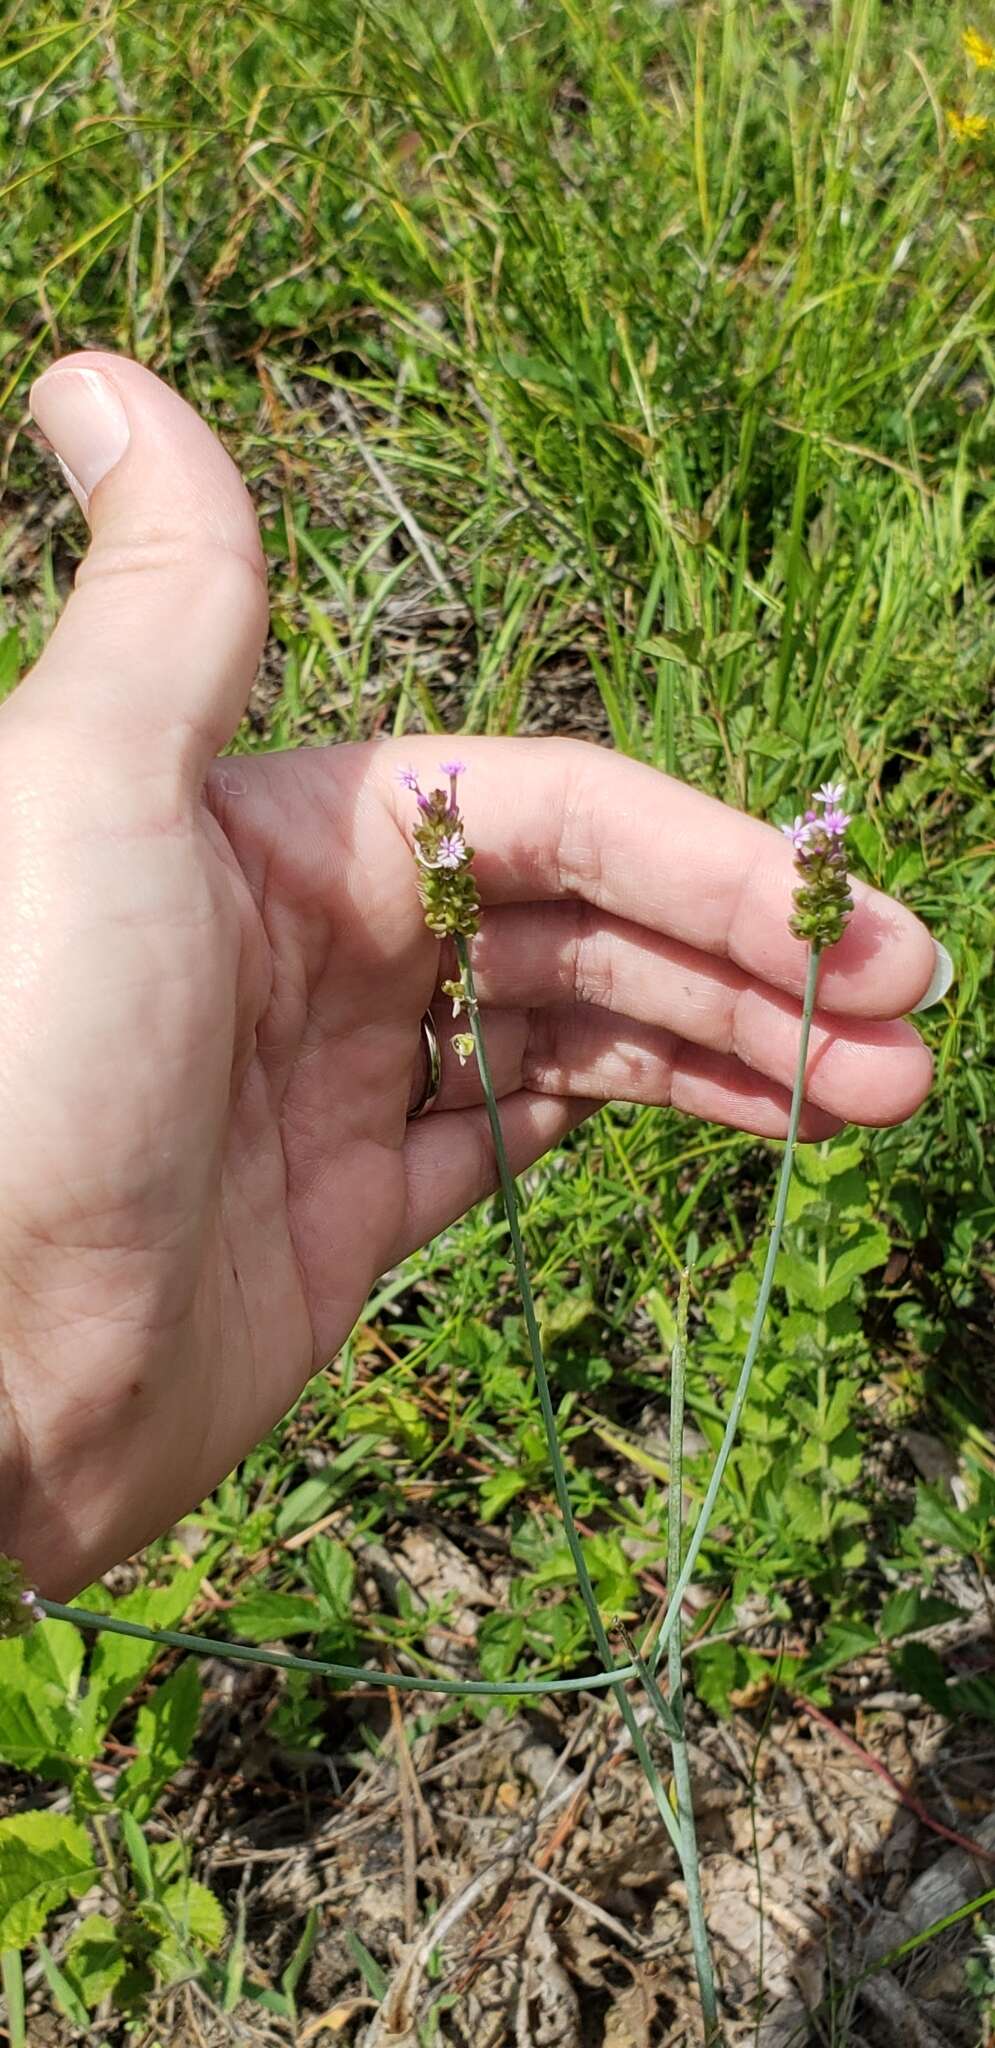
<point>562,818</point>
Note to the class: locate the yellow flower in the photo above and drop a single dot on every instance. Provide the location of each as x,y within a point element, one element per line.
<point>981,53</point>
<point>966,127</point>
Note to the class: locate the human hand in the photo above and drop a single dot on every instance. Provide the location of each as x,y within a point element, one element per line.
<point>214,974</point>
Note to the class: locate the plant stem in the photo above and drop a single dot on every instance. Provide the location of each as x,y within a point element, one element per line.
<point>562,1490</point>
<point>677,1592</point>
<point>678,1742</point>
<point>285,1660</point>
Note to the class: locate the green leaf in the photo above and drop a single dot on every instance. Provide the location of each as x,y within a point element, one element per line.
<point>500,1642</point>
<point>301,1956</point>
<point>842,1641</point>
<point>800,1278</point>
<point>909,1609</point>
<point>939,1521</point>
<point>12,1985</point>
<point>873,1248</point>
<point>235,1963</point>
<point>333,1575</point>
<point>196,1913</point>
<point>845,1393</point>
<point>64,1993</point>
<point>799,1273</point>
<point>94,1958</point>
<point>729,643</point>
<point>373,1976</point>
<point>803,1510</point>
<point>45,1858</point>
<point>308,1502</point>
<point>918,1669</point>
<point>534,370</point>
<point>904,1201</point>
<point>566,1316</point>
<point>973,1695</point>
<point>118,1662</point>
<point>499,1489</point>
<point>39,1683</point>
<point>717,1671</point>
<point>821,1163</point>
<point>138,1854</point>
<point>266,1617</point>
<point>10,659</point>
<point>165,1727</point>
<point>684,648</point>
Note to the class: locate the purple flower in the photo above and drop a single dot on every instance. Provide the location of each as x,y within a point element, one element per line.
<point>452,768</point>
<point>452,851</point>
<point>836,822</point>
<point>831,794</point>
<point>407,778</point>
<point>799,833</point>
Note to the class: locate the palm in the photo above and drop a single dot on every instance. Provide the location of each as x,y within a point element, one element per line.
<point>326,899</point>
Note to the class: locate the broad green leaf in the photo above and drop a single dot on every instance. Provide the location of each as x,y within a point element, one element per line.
<point>332,1574</point>
<point>195,1912</point>
<point>904,1200</point>
<point>500,1642</point>
<point>974,1695</point>
<point>821,1163</point>
<point>308,1502</point>
<point>800,1274</point>
<point>726,644</point>
<point>842,1399</point>
<point>499,1489</point>
<point>872,1249</point>
<point>164,1730</point>
<point>803,1510</point>
<point>941,1522</point>
<point>909,1609</point>
<point>45,1858</point>
<point>841,1642</point>
<point>94,1958</point>
<point>717,1671</point>
<point>684,648</point>
<point>800,1278</point>
<point>39,1681</point>
<point>267,1617</point>
<point>118,1662</point>
<point>919,1669</point>
<point>567,1316</point>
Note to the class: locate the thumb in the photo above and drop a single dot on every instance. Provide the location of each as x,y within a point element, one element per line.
<point>159,642</point>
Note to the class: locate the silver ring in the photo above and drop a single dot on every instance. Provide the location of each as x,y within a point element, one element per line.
<point>433,1068</point>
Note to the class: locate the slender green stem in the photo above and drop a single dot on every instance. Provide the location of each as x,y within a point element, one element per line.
<point>652,1653</point>
<point>562,1490</point>
<point>285,1660</point>
<point>678,1742</point>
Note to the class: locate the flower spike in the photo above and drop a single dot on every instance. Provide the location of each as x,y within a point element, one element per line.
<point>822,901</point>
<point>443,859</point>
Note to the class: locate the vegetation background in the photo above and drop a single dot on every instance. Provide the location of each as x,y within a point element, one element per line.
<point>625,369</point>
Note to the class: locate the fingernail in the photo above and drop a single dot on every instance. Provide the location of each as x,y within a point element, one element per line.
<point>942,976</point>
<point>81,415</point>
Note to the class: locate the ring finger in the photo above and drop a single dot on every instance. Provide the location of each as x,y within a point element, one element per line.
<point>592,1006</point>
